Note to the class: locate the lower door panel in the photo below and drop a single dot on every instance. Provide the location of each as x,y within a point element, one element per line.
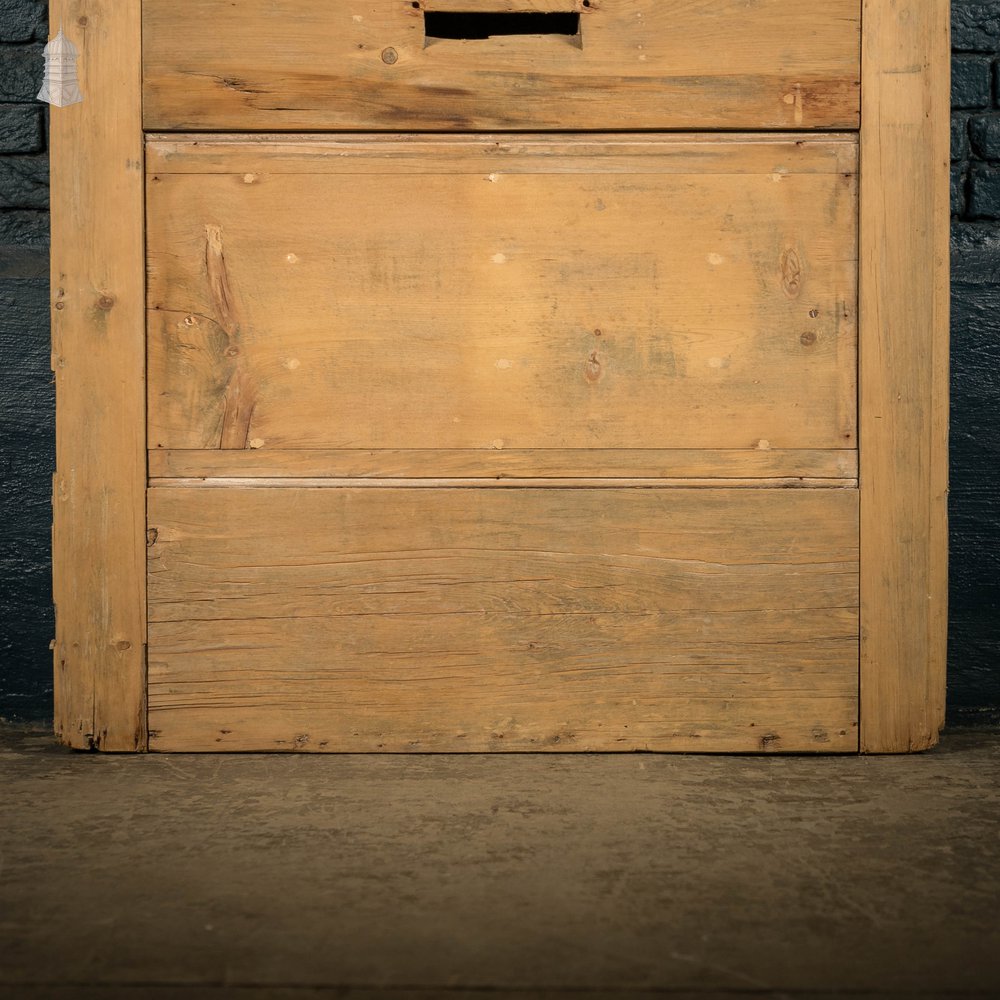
<point>286,617</point>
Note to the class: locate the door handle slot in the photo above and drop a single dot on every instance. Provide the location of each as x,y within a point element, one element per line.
<point>480,25</point>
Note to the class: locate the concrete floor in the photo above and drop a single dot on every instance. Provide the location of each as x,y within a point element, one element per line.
<point>409,878</point>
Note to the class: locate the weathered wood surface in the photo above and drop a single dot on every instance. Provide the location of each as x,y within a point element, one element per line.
<point>98,358</point>
<point>368,483</point>
<point>904,372</point>
<point>637,64</point>
<point>604,153</point>
<point>338,619</point>
<point>652,294</point>
<point>835,467</point>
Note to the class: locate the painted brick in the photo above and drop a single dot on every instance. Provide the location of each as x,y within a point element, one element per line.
<point>975,26</point>
<point>21,69</point>
<point>19,20</point>
<point>975,255</point>
<point>24,182</point>
<point>984,131</point>
<point>21,128</point>
<point>24,227</point>
<point>984,191</point>
<point>959,181</point>
<point>971,81</point>
<point>959,136</point>
<point>26,463</point>
<point>974,620</point>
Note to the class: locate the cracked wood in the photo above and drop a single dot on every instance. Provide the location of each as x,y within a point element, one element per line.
<point>240,387</point>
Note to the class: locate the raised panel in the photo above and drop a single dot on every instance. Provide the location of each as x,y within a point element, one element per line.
<point>493,293</point>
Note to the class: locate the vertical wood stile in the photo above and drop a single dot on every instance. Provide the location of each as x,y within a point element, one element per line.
<point>98,360</point>
<point>904,372</point>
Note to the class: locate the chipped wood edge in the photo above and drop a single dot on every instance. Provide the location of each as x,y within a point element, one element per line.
<point>98,357</point>
<point>904,305</point>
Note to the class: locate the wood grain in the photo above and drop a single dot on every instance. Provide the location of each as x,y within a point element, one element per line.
<point>836,467</point>
<point>904,372</point>
<point>98,359</point>
<point>338,619</point>
<point>637,64</point>
<point>545,301</point>
<point>598,153</point>
<point>535,483</point>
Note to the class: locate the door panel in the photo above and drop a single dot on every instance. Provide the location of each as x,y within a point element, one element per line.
<point>481,619</point>
<point>654,293</point>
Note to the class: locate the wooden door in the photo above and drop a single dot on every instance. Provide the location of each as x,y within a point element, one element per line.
<point>506,389</point>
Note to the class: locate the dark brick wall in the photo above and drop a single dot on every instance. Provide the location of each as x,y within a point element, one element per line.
<point>26,398</point>
<point>26,453</point>
<point>974,627</point>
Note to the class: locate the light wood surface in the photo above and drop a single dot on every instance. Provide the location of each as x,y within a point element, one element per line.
<point>602,153</point>
<point>637,64</point>
<point>611,465</point>
<point>904,372</point>
<point>338,619</point>
<point>560,299</point>
<point>834,467</point>
<point>508,484</point>
<point>98,360</point>
<point>502,441</point>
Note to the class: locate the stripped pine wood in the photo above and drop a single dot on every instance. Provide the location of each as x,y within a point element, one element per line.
<point>698,308</point>
<point>635,64</point>
<point>611,153</point>
<point>837,467</point>
<point>904,372</point>
<point>322,619</point>
<point>98,535</point>
<point>502,441</point>
<point>511,484</point>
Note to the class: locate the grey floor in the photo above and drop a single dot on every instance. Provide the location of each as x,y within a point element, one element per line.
<point>409,878</point>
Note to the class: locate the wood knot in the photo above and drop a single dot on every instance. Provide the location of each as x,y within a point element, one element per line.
<point>791,272</point>
<point>808,339</point>
<point>151,536</point>
<point>594,370</point>
<point>106,302</point>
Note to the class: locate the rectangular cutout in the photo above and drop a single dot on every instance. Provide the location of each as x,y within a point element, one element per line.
<point>457,25</point>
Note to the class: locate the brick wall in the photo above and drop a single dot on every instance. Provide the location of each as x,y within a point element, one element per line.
<point>26,398</point>
<point>26,453</point>
<point>974,626</point>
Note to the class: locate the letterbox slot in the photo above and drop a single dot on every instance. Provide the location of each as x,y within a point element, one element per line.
<point>481,25</point>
